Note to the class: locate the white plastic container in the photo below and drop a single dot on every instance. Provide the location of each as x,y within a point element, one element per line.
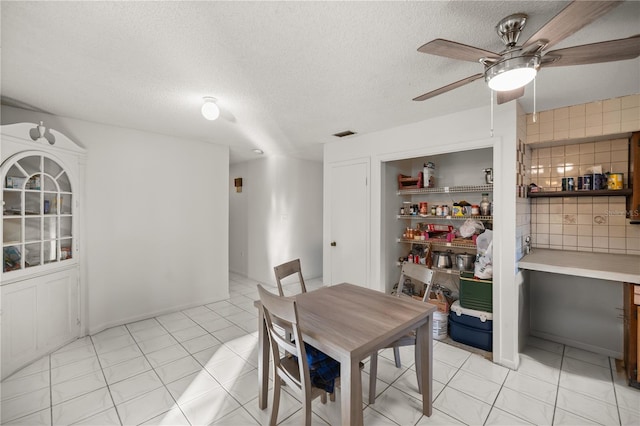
<point>429,175</point>
<point>440,321</point>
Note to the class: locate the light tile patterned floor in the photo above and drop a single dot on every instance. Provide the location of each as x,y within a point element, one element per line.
<point>198,367</point>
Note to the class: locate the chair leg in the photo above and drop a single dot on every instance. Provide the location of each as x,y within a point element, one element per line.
<point>373,376</point>
<point>418,369</point>
<point>276,401</point>
<point>307,411</point>
<point>396,356</point>
<point>323,398</point>
<point>332,396</point>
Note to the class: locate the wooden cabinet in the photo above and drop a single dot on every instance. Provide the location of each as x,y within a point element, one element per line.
<point>41,286</point>
<point>632,333</point>
<point>633,202</point>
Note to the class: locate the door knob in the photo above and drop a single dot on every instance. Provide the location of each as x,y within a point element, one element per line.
<point>333,243</point>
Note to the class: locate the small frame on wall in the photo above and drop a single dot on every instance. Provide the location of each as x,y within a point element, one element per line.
<point>237,182</point>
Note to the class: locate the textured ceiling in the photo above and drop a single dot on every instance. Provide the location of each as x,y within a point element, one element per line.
<point>287,74</point>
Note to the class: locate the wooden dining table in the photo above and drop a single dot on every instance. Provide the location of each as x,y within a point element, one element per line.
<point>349,323</point>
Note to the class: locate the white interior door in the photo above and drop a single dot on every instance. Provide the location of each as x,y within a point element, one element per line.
<point>350,213</point>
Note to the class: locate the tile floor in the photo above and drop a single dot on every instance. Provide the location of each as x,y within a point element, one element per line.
<point>198,367</point>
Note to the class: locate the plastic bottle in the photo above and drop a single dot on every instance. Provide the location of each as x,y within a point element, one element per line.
<point>429,175</point>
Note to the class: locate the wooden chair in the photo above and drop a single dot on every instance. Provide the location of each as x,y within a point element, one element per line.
<point>288,269</point>
<point>294,372</point>
<point>415,273</point>
<point>285,270</point>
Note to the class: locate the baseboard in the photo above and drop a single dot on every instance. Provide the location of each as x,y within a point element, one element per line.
<point>576,344</point>
<point>98,328</point>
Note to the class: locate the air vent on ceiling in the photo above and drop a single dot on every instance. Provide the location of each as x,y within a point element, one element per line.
<point>343,134</point>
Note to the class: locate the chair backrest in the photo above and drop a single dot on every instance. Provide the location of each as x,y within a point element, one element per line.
<point>287,269</point>
<point>416,273</point>
<point>283,311</point>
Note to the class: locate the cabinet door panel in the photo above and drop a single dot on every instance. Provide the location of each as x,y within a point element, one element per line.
<point>38,315</point>
<point>19,324</point>
<point>58,302</point>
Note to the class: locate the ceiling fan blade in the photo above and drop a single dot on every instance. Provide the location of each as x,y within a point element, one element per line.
<point>448,87</point>
<point>509,95</point>
<point>453,50</point>
<point>571,19</point>
<point>606,51</point>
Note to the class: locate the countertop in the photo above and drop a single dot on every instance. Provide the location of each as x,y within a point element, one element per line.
<point>606,266</point>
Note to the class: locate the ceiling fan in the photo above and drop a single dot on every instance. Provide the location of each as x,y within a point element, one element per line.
<point>509,71</point>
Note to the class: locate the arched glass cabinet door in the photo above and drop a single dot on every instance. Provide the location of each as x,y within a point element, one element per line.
<point>37,218</point>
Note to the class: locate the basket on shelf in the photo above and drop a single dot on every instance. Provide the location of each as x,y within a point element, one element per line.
<point>409,182</point>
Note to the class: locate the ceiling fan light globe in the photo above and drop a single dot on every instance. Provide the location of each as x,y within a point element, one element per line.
<point>210,110</point>
<point>513,73</point>
<point>512,79</point>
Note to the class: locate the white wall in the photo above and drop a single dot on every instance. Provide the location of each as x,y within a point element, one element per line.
<point>156,220</point>
<point>277,217</point>
<point>581,312</point>
<point>239,217</point>
<point>455,132</point>
<point>523,229</point>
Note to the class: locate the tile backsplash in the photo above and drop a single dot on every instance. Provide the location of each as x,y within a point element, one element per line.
<point>598,118</point>
<point>595,224</point>
<point>549,165</point>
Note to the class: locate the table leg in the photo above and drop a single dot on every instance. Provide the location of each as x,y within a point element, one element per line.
<point>263,361</point>
<point>373,372</point>
<point>351,392</point>
<point>424,344</point>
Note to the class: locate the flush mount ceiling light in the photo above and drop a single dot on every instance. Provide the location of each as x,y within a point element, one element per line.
<point>210,110</point>
<point>257,151</point>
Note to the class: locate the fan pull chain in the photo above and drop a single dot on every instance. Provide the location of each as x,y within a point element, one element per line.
<point>491,102</point>
<point>535,115</point>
